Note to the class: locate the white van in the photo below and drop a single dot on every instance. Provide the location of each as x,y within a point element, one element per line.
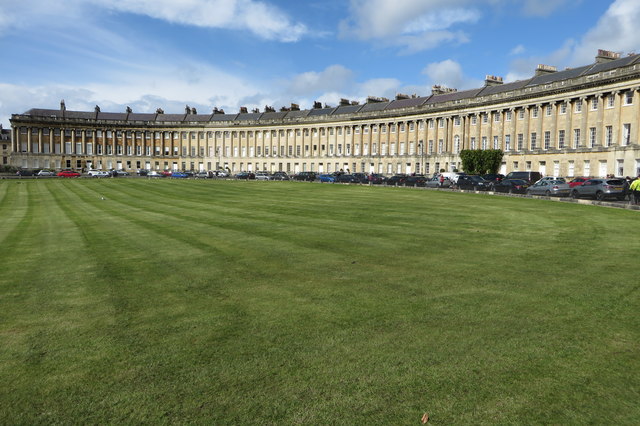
<point>98,173</point>
<point>452,176</point>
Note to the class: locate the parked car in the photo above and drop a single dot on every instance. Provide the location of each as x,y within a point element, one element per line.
<point>24,172</point>
<point>396,179</point>
<point>600,189</point>
<point>473,182</point>
<point>361,177</point>
<point>344,178</point>
<point>142,172</point>
<point>376,179</point>
<point>166,173</point>
<point>417,180</point>
<point>492,177</point>
<point>305,176</point>
<point>45,172</point>
<point>434,182</point>
<point>179,175</point>
<point>119,173</point>
<point>201,175</point>
<point>155,174</point>
<point>280,176</point>
<point>68,173</point>
<point>245,176</point>
<point>511,186</point>
<point>577,181</point>
<point>529,177</point>
<point>99,173</point>
<point>263,176</point>
<point>559,188</point>
<point>327,178</point>
<point>552,178</point>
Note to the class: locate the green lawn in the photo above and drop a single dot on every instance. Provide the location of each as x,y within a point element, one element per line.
<point>213,302</point>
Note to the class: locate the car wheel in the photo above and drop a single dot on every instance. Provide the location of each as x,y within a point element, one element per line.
<point>599,196</point>
<point>547,193</point>
<point>574,194</point>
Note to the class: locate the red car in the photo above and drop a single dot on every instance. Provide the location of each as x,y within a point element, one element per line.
<point>578,181</point>
<point>68,173</point>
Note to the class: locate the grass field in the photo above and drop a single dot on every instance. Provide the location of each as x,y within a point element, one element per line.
<point>214,302</point>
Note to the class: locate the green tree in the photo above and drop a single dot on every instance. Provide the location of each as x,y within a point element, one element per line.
<point>481,161</point>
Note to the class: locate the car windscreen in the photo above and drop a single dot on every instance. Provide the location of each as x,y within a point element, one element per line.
<point>615,182</point>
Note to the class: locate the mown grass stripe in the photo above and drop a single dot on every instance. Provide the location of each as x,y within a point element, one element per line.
<point>184,301</point>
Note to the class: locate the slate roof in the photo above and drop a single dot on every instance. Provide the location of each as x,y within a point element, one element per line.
<point>249,116</point>
<point>273,115</point>
<point>558,76</point>
<point>607,66</point>
<point>501,88</point>
<point>346,109</point>
<point>298,114</point>
<point>453,96</point>
<point>320,111</point>
<point>407,103</point>
<point>374,106</point>
<point>368,107</point>
<point>170,117</point>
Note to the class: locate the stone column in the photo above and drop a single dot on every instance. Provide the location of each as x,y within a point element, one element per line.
<point>29,139</point>
<point>40,140</point>
<point>553,143</point>
<point>538,128</point>
<point>526,127</point>
<point>583,120</point>
<point>600,131</point>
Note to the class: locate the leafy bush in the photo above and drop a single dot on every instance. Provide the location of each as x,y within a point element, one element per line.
<point>481,161</point>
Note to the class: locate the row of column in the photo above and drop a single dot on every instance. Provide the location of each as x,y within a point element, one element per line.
<point>441,136</point>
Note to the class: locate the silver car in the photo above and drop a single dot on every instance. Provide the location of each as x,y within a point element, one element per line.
<point>559,188</point>
<point>434,182</point>
<point>263,176</point>
<point>600,188</point>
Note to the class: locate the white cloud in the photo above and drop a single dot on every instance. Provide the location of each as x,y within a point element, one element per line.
<point>414,25</point>
<point>261,18</point>
<point>543,8</point>
<point>450,74</point>
<point>518,50</point>
<point>429,40</point>
<point>381,87</point>
<point>616,30</point>
<point>332,78</point>
<point>441,19</point>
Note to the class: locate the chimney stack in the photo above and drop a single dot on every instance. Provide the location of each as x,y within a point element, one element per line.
<point>542,69</point>
<point>606,56</point>
<point>492,80</point>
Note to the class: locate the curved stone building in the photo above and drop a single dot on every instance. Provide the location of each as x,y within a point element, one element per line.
<point>579,121</point>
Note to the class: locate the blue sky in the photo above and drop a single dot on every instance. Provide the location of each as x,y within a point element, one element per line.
<point>151,54</point>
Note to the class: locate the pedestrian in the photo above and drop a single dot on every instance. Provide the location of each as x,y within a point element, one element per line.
<point>441,180</point>
<point>635,189</point>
